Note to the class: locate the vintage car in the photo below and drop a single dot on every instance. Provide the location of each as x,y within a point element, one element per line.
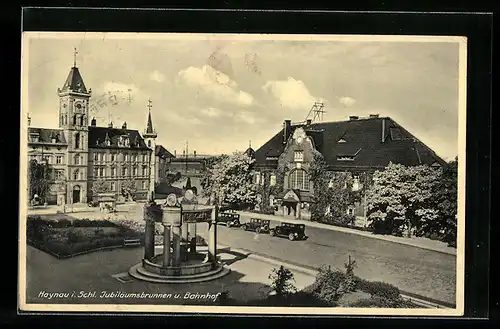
<point>292,231</point>
<point>256,224</point>
<point>228,218</point>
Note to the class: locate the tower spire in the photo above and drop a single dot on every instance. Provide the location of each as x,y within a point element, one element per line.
<point>149,127</point>
<point>250,144</point>
<point>74,56</point>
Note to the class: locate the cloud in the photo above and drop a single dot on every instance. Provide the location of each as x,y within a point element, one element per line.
<point>291,93</point>
<point>157,76</point>
<point>211,112</point>
<point>245,117</point>
<point>215,84</point>
<point>347,101</point>
<point>119,87</point>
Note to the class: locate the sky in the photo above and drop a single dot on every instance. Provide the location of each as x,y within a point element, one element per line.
<point>218,94</point>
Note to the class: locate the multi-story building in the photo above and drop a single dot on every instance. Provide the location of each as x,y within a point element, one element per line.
<point>359,146</point>
<point>79,154</point>
<point>163,158</point>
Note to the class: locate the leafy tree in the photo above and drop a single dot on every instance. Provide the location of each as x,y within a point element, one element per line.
<point>445,196</point>
<point>229,180</point>
<point>281,281</point>
<point>99,186</point>
<point>333,193</point>
<point>401,199</point>
<point>39,179</point>
<point>129,188</point>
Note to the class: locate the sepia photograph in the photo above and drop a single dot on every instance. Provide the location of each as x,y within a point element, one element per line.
<point>242,173</point>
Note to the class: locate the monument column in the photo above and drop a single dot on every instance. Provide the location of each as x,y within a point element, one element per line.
<point>176,232</point>
<point>149,234</point>
<point>212,236</point>
<point>185,231</point>
<point>192,235</point>
<point>166,245</point>
<point>149,239</point>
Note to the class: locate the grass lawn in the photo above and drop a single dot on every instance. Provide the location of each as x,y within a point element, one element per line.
<point>63,236</point>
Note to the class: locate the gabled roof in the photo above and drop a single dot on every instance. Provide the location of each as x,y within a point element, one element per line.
<point>163,152</point>
<point>97,138</point>
<point>250,152</point>
<point>363,147</point>
<point>74,82</point>
<point>45,135</point>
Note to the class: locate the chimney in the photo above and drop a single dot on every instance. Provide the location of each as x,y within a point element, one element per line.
<point>124,126</point>
<point>373,116</point>
<point>383,130</point>
<point>308,122</point>
<point>194,154</point>
<point>29,120</point>
<point>287,126</point>
<point>110,124</point>
<point>175,153</point>
<point>93,122</point>
<point>353,117</point>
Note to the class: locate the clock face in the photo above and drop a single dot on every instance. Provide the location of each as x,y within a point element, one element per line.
<point>78,106</point>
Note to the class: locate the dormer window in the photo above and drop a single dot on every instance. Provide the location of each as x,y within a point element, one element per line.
<point>298,156</point>
<point>435,165</point>
<point>345,158</point>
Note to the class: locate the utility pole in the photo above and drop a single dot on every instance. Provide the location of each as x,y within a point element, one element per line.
<point>316,112</point>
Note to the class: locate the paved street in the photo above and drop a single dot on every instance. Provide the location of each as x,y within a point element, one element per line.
<point>93,273</point>
<point>424,272</point>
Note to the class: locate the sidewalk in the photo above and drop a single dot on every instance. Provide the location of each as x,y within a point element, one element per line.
<point>422,243</point>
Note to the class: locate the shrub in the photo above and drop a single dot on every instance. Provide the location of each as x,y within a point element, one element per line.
<point>74,237</point>
<point>350,281</point>
<point>378,289</point>
<point>328,285</point>
<point>281,281</point>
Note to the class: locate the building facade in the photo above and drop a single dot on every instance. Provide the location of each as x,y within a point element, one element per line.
<point>79,154</point>
<point>163,158</point>
<point>359,146</point>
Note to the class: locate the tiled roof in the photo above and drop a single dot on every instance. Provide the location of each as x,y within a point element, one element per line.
<point>45,135</point>
<point>74,82</point>
<point>98,136</point>
<point>363,146</point>
<point>163,152</point>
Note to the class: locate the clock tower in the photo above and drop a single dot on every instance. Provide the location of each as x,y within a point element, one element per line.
<point>73,119</point>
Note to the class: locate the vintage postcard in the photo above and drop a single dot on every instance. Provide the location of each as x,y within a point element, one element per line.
<point>248,174</point>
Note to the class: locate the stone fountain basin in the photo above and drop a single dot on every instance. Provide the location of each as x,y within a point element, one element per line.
<point>194,266</point>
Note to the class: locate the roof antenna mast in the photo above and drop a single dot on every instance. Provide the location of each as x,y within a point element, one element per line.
<point>316,112</point>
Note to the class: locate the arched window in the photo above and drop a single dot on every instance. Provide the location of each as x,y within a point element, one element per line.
<point>77,141</point>
<point>149,144</point>
<point>299,179</point>
<point>81,120</point>
<point>74,120</point>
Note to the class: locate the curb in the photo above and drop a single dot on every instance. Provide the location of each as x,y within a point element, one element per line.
<point>418,300</point>
<point>349,231</point>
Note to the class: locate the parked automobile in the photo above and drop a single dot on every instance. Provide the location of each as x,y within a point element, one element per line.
<point>228,218</point>
<point>292,231</point>
<point>256,224</point>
